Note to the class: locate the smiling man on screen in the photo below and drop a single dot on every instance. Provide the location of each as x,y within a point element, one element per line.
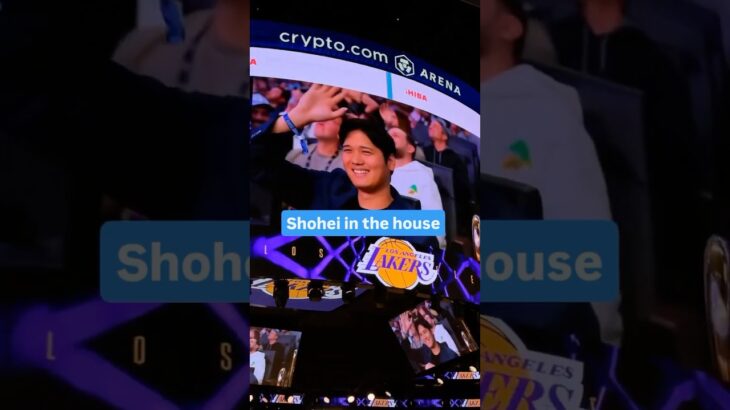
<point>368,157</point>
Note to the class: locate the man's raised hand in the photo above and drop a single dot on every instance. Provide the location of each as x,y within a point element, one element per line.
<point>320,103</point>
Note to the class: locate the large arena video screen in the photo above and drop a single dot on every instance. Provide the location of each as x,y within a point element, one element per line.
<point>273,356</point>
<point>432,335</point>
<point>433,120</point>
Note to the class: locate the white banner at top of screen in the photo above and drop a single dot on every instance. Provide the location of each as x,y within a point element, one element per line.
<point>293,65</point>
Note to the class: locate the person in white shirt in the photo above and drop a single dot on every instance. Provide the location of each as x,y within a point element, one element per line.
<point>534,133</point>
<point>257,359</point>
<point>411,178</point>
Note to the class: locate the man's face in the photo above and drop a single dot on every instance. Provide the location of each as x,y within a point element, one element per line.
<point>436,131</point>
<point>364,163</point>
<point>327,129</point>
<point>273,337</point>
<point>402,147</point>
<point>426,336</point>
<point>254,344</point>
<point>276,96</point>
<point>499,30</point>
<point>259,115</point>
<point>261,85</point>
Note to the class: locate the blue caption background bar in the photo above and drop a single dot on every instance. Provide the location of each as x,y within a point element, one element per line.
<point>565,249</point>
<point>359,223</point>
<point>196,251</point>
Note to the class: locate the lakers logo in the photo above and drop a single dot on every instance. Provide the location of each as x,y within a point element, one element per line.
<point>495,345</point>
<point>515,378</point>
<point>297,289</point>
<point>397,264</point>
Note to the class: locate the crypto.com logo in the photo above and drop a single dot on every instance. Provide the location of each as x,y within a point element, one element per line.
<point>404,65</point>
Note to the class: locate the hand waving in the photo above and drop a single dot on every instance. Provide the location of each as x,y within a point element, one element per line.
<point>320,103</point>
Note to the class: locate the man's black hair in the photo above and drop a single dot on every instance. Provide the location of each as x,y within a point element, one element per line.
<point>375,131</point>
<point>516,8</point>
<point>422,322</point>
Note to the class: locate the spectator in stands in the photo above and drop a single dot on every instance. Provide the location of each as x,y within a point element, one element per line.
<point>260,110</point>
<point>325,154</point>
<point>388,115</point>
<point>410,177</point>
<point>404,326</point>
<point>455,131</point>
<point>533,133</point>
<point>410,340</point>
<point>462,134</point>
<point>420,121</point>
<point>601,42</point>
<point>273,345</point>
<point>440,352</point>
<point>213,58</point>
<point>257,359</point>
<point>261,85</point>
<point>469,154</point>
<point>554,131</point>
<point>264,336</point>
<point>403,114</point>
<point>439,153</point>
<point>439,331</point>
<point>279,98</point>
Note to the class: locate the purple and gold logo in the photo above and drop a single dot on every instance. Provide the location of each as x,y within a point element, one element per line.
<point>397,264</point>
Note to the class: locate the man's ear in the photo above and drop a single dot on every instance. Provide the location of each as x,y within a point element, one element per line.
<point>391,163</point>
<point>512,28</point>
<point>411,150</point>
